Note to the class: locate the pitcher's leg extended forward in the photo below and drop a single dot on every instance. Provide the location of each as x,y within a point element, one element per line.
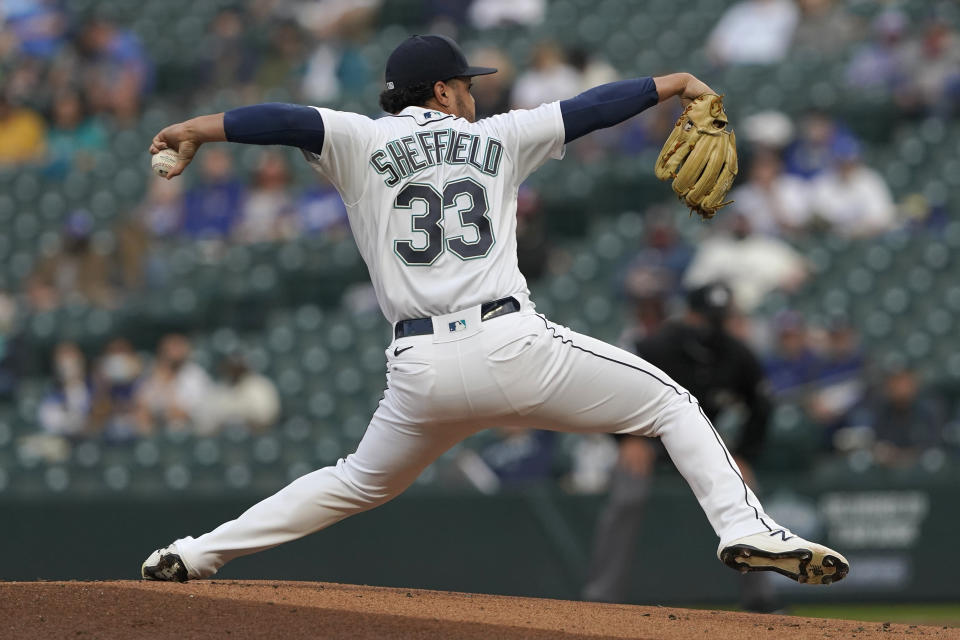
<point>585,385</point>
<point>592,386</point>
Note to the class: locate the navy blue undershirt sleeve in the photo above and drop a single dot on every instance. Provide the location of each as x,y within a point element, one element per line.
<point>291,125</point>
<point>606,105</point>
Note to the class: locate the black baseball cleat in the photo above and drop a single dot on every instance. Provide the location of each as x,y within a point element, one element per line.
<point>789,555</point>
<point>164,564</point>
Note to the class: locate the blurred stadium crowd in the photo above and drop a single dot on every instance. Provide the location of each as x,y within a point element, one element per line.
<point>153,329</point>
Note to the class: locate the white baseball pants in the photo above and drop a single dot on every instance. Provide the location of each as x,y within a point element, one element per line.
<point>520,370</point>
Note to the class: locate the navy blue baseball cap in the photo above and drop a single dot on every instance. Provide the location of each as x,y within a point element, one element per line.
<point>430,58</point>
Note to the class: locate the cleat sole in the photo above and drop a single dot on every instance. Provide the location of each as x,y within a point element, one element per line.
<point>802,565</point>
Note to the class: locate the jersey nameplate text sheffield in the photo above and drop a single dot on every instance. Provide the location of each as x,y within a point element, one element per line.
<point>409,155</point>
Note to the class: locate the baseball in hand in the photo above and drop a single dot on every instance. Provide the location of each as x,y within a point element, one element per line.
<point>164,162</point>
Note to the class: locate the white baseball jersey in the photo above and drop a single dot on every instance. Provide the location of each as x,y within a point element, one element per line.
<point>432,200</point>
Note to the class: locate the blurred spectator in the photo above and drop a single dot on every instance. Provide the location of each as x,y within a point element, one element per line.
<point>320,209</point>
<point>520,456</point>
<point>74,137</point>
<point>117,72</point>
<point>794,365</point>
<point>37,26</point>
<point>133,254</point>
<point>826,28</point>
<point>349,66</point>
<point>77,273</point>
<point>666,251</point>
<point>549,78</point>
<point>771,129</point>
<point>337,65</point>
<point>260,13</point>
<point>841,376</point>
<point>268,212</point>
<point>646,131</point>
<point>8,40</point>
<point>229,59</point>
<point>843,351</point>
<point>661,261</point>
<point>816,149</point>
<point>592,459</point>
<point>515,458</point>
<point>592,69</point>
<point>446,16</point>
<point>752,264</point>
<point>22,133</point>
<point>115,384</point>
<point>65,409</point>
<point>63,74</point>
<point>753,32</point>
<point>875,65</point>
<point>162,210</point>
<point>285,61</point>
<point>321,82</point>
<point>486,14</point>
<point>353,72</point>
<point>175,389</point>
<point>156,219</point>
<point>648,302</point>
<point>211,208</point>
<point>492,92</point>
<point>337,19</point>
<point>245,399</point>
<point>851,198</point>
<point>931,67</point>
<point>776,203</point>
<point>23,80</point>
<point>906,420</point>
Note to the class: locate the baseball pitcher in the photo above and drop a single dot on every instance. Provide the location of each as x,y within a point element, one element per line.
<point>432,196</point>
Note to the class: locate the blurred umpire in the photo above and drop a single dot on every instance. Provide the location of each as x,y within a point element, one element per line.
<point>699,352</point>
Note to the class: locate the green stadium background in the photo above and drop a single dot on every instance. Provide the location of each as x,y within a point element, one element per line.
<point>84,508</point>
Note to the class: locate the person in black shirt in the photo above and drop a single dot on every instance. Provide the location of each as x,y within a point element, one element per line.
<point>700,353</point>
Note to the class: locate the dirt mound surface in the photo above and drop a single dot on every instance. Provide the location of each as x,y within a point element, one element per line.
<point>289,610</point>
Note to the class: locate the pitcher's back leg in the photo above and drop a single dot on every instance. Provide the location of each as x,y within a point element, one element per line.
<point>388,459</point>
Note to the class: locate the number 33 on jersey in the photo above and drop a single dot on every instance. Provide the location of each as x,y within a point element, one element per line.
<point>432,199</point>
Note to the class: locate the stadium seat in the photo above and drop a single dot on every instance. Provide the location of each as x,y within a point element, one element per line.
<point>237,475</point>
<point>177,477</point>
<point>206,452</point>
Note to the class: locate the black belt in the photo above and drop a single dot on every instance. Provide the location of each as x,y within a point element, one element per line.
<point>424,326</point>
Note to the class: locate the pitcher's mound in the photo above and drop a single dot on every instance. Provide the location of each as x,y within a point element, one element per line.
<point>289,610</point>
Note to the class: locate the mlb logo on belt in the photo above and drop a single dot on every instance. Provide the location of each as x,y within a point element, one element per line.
<point>458,325</point>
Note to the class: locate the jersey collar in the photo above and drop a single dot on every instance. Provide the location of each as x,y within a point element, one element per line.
<point>424,116</point>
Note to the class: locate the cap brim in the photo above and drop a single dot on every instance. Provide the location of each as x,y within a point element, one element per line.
<point>478,71</point>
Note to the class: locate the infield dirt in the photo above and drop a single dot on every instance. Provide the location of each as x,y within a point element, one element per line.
<point>289,610</point>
